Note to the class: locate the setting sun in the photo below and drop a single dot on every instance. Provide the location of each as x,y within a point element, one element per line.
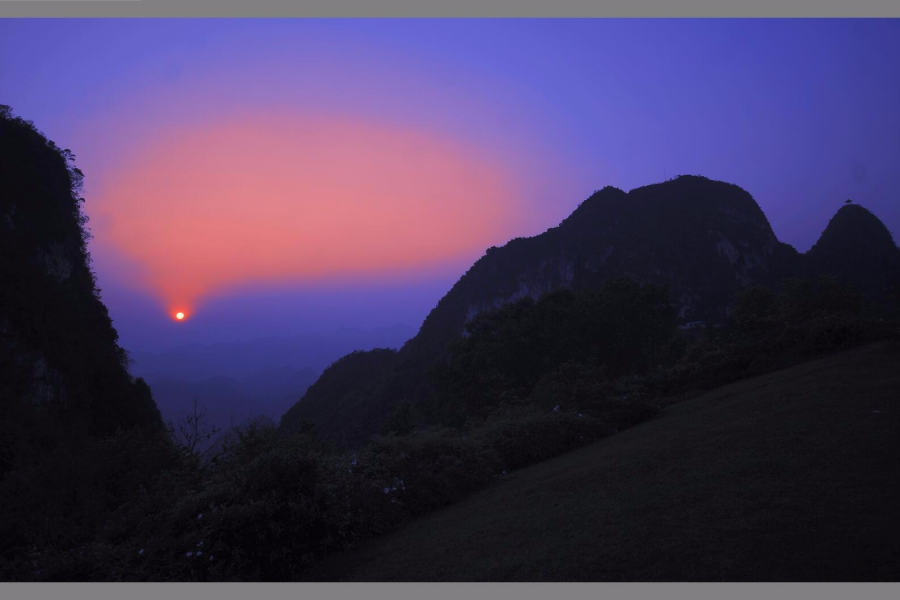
<point>179,316</point>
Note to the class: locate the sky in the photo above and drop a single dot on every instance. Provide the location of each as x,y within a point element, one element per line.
<point>275,177</point>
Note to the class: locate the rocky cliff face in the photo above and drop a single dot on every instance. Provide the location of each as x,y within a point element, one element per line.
<point>704,239</point>
<point>61,368</point>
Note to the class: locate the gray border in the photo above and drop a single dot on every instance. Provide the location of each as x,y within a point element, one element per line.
<point>450,8</point>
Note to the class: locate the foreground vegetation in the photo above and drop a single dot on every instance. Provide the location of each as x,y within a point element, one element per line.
<point>789,476</point>
<point>528,382</point>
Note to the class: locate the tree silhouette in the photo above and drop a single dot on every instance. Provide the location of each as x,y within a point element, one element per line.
<point>193,429</point>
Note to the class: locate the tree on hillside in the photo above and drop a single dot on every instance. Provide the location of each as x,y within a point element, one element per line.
<point>192,429</point>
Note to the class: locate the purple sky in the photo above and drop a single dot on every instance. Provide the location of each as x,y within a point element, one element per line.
<point>801,113</point>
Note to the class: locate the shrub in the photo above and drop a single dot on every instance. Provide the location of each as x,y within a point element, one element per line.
<point>428,470</point>
<point>523,439</point>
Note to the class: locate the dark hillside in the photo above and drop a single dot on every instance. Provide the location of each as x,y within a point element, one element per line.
<point>66,397</point>
<point>61,363</point>
<point>857,249</point>
<point>791,476</point>
<point>337,393</point>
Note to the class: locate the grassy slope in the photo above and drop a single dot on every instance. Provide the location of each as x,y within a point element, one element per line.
<point>787,476</point>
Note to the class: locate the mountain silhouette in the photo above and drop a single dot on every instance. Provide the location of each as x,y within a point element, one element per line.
<point>705,240</point>
<point>349,379</point>
<point>858,250</point>
<point>62,371</point>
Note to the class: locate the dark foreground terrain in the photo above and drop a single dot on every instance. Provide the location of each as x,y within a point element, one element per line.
<point>793,475</point>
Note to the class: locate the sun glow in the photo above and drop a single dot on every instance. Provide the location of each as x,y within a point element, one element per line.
<point>287,197</point>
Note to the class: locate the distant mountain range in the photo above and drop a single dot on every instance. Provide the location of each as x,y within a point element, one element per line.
<point>706,240</point>
<point>235,381</point>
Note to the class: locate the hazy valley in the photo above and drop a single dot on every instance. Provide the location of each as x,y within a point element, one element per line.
<point>239,380</point>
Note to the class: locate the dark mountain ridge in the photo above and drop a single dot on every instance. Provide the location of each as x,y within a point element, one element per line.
<point>706,240</point>
<point>857,249</point>
<point>62,371</point>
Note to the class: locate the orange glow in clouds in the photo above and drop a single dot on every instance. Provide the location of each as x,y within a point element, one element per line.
<point>285,198</point>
